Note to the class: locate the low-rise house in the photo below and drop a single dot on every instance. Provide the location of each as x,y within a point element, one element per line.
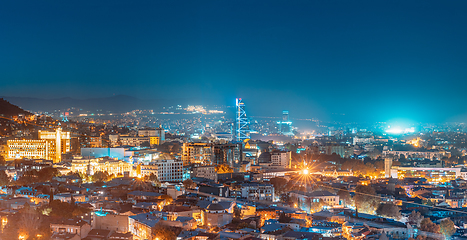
<point>98,234</point>
<point>70,226</point>
<point>113,222</point>
<point>186,223</point>
<point>141,225</point>
<point>67,197</point>
<point>121,236</point>
<point>254,191</point>
<point>143,196</point>
<point>326,197</point>
<point>215,215</point>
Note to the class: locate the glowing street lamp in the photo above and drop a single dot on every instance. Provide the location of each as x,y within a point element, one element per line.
<point>306,172</point>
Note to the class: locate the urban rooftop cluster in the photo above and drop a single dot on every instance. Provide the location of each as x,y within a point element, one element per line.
<point>228,178</point>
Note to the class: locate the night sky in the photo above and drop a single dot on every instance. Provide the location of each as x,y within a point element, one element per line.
<point>370,60</point>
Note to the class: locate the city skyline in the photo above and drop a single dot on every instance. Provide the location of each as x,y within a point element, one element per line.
<point>371,61</point>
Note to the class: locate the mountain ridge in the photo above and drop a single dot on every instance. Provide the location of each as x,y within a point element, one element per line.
<point>117,103</point>
<point>8,109</point>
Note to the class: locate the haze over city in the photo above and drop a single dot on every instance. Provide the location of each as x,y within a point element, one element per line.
<point>369,60</point>
<point>226,120</point>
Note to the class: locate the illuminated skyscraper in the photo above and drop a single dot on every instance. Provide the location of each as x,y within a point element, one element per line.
<point>285,126</point>
<point>285,116</point>
<point>242,130</point>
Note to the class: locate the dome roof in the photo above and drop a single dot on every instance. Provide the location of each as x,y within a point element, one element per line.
<point>215,207</point>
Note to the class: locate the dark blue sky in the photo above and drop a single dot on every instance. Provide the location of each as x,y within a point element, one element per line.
<point>371,60</point>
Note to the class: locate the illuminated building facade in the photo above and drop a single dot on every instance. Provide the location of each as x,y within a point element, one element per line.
<point>50,146</point>
<point>242,130</point>
<point>418,154</point>
<point>154,141</point>
<point>329,199</point>
<point>149,169</point>
<point>32,149</point>
<point>91,165</point>
<point>199,153</point>
<point>134,141</point>
<point>114,140</point>
<point>337,173</point>
<point>433,175</point>
<point>62,139</point>
<point>281,158</point>
<point>169,170</point>
<point>92,141</point>
<point>141,225</point>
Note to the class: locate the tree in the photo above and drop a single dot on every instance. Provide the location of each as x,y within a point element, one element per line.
<point>344,195</point>
<point>168,199</point>
<point>153,179</point>
<point>237,212</point>
<point>100,176</point>
<point>29,221</point>
<point>285,198</point>
<point>46,174</point>
<point>2,161</point>
<point>389,210</point>
<point>279,184</point>
<point>223,168</point>
<point>428,226</point>
<point>138,170</point>
<point>365,199</point>
<point>163,232</point>
<point>189,184</point>
<point>58,208</point>
<point>316,206</point>
<point>145,144</point>
<point>415,218</point>
<point>4,179</point>
<point>447,228</point>
<point>283,218</point>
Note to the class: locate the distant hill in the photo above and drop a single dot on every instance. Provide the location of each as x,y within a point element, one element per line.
<point>119,103</point>
<point>8,109</point>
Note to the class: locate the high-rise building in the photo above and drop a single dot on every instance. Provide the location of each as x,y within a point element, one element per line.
<point>230,154</point>
<point>387,166</point>
<point>60,139</point>
<point>199,153</point>
<point>50,146</point>
<point>169,170</point>
<point>281,158</point>
<point>285,116</point>
<point>285,125</point>
<point>242,130</point>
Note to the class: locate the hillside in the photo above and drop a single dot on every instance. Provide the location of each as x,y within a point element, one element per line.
<point>7,109</point>
<point>119,103</point>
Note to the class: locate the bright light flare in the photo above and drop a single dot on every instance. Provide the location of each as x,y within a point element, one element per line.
<point>305,171</point>
<point>395,130</point>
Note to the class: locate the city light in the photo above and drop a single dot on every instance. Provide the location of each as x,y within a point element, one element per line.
<point>359,147</point>
<point>23,236</point>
